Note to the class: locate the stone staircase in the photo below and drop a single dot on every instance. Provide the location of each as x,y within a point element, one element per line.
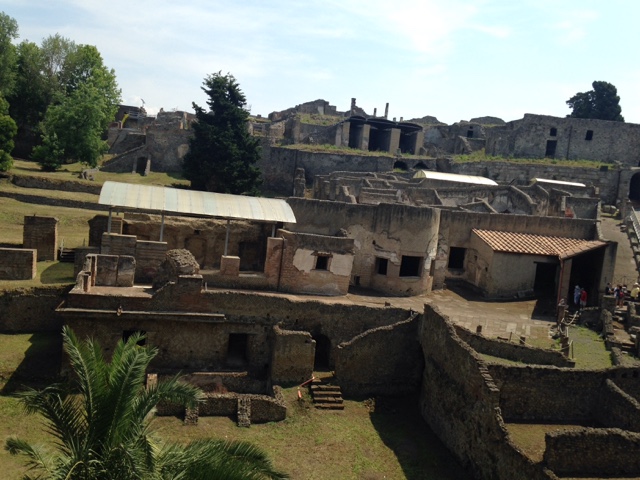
<point>67,255</point>
<point>325,395</point>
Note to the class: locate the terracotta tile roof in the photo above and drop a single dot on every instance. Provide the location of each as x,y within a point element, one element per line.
<point>527,243</point>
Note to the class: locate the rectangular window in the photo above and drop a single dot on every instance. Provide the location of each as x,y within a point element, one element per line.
<point>381,266</point>
<point>410,266</point>
<point>456,257</point>
<point>553,132</point>
<point>322,262</point>
<point>589,135</point>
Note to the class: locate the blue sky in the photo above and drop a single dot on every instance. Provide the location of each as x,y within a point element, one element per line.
<point>451,59</point>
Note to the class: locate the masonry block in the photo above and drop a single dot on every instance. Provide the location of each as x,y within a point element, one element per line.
<point>229,266</point>
<point>41,234</point>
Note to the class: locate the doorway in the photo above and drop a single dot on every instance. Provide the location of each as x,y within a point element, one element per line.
<point>323,353</point>
<point>237,350</point>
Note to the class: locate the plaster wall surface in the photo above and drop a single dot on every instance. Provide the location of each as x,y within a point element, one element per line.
<point>18,263</point>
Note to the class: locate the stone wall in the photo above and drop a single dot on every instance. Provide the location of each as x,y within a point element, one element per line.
<point>513,351</point>
<point>18,264</point>
<point>31,310</point>
<point>460,402</point>
<point>41,234</point>
<point>575,139</point>
<point>393,350</point>
<point>44,183</point>
<point>593,452</point>
<point>292,356</point>
<point>617,409</point>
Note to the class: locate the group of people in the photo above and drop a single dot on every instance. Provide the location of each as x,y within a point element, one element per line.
<point>621,293</point>
<point>579,297</point>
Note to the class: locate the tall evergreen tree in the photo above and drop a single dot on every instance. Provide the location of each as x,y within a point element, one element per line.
<point>602,103</point>
<point>222,156</point>
<point>101,426</point>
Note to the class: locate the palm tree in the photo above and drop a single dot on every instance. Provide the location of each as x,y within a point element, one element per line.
<point>101,426</point>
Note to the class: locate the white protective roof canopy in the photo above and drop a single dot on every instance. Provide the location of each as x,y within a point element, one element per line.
<point>195,203</point>
<point>454,177</point>
<point>557,182</point>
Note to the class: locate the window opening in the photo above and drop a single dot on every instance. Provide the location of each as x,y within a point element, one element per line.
<point>589,135</point>
<point>381,266</point>
<point>553,132</point>
<point>469,133</point>
<point>410,266</point>
<point>456,257</point>
<point>322,262</point>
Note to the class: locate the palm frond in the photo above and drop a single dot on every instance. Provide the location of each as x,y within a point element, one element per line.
<point>37,458</point>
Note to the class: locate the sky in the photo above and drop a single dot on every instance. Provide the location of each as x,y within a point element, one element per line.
<point>452,59</point>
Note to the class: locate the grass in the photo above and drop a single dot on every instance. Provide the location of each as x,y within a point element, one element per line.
<point>530,437</point>
<point>392,442</point>
<point>71,171</point>
<point>589,350</point>
<point>481,156</point>
<point>317,119</point>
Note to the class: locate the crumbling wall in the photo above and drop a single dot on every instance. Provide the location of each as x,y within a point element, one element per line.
<point>385,232</point>
<point>617,409</point>
<point>300,271</point>
<point>18,264</point>
<point>381,361</point>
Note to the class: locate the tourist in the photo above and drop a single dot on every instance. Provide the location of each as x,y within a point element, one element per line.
<point>583,298</point>
<point>576,296</point>
<point>608,289</point>
<point>635,291</point>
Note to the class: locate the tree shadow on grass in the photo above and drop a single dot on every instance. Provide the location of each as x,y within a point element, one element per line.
<point>40,366</point>
<point>57,272</point>
<point>419,451</point>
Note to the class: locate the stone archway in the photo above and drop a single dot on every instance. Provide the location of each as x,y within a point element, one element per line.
<point>634,187</point>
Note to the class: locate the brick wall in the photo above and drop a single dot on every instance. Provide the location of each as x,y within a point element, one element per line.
<point>18,264</point>
<point>41,234</point>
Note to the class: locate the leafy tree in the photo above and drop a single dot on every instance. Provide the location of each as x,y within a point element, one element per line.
<point>8,130</point>
<point>8,32</point>
<point>72,130</point>
<point>102,432</point>
<point>602,103</point>
<point>222,155</point>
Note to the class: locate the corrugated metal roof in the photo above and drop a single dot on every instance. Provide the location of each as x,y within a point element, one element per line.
<point>527,243</point>
<point>190,202</point>
<point>454,177</point>
<point>558,182</point>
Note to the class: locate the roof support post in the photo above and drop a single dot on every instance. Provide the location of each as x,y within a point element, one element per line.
<point>162,227</point>
<point>273,230</point>
<point>109,221</point>
<point>226,239</point>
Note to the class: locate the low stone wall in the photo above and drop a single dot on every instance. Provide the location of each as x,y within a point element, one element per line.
<point>512,351</point>
<point>18,263</point>
<point>45,183</point>
<point>31,310</point>
<point>460,402</point>
<point>292,356</point>
<point>381,361</point>
<point>591,452</point>
<point>546,394</point>
<point>617,409</point>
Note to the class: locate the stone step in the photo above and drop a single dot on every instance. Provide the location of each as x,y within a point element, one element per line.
<point>325,388</point>
<point>329,406</point>
<point>323,399</point>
